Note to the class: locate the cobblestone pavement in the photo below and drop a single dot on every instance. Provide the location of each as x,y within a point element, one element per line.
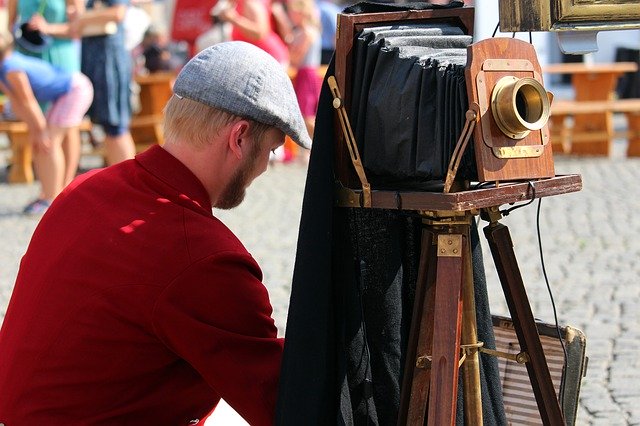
<point>591,246</point>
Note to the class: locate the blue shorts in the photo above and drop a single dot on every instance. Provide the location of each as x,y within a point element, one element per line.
<point>111,130</point>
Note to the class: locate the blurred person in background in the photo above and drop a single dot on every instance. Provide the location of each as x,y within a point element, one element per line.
<point>329,20</point>
<point>219,31</point>
<point>155,50</point>
<point>51,18</point>
<point>305,52</point>
<point>28,81</point>
<point>252,22</point>
<point>108,64</point>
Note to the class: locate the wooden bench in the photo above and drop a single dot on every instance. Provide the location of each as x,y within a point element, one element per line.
<point>594,85</point>
<point>21,170</point>
<point>146,125</point>
<point>147,130</point>
<point>563,136</point>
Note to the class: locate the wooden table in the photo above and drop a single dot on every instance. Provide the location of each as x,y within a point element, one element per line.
<point>592,82</point>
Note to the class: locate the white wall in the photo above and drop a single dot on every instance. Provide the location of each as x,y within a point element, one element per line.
<point>608,41</point>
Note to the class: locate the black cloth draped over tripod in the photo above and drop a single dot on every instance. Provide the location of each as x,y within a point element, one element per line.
<point>351,302</point>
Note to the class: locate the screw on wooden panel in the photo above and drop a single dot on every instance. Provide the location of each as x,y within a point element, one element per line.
<point>450,245</point>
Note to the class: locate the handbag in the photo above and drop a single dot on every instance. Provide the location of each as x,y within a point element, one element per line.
<point>29,39</point>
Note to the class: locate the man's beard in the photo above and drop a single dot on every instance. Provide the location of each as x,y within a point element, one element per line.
<point>233,194</point>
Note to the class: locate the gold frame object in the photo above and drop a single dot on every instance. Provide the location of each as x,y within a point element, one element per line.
<point>561,15</point>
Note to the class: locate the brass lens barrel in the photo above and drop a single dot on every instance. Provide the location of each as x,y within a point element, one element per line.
<point>519,106</point>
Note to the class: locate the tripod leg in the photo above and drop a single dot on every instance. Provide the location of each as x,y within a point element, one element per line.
<point>446,330</point>
<point>507,267</point>
<point>471,365</point>
<point>415,383</point>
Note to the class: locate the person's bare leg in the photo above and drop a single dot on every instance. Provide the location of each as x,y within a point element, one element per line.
<point>49,165</point>
<point>71,146</point>
<point>119,148</point>
<point>310,122</point>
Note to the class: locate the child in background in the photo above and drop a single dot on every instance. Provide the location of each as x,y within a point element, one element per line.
<point>155,49</point>
<point>28,81</point>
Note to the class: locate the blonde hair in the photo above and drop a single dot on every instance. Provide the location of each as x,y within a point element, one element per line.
<point>196,123</point>
<point>6,43</point>
<point>308,9</point>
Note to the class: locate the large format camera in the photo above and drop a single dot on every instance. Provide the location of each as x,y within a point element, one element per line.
<point>415,87</point>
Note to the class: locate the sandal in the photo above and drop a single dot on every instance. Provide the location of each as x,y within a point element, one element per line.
<point>37,207</point>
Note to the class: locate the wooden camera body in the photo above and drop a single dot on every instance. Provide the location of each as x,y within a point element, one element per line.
<point>511,138</point>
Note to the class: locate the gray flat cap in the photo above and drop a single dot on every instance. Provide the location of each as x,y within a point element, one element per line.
<point>244,80</point>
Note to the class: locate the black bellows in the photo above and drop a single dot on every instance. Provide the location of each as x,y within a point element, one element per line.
<point>408,103</point>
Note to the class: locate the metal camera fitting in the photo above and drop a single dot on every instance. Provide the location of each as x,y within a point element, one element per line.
<point>519,106</point>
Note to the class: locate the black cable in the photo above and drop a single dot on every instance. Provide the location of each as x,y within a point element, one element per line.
<point>496,30</point>
<point>530,38</point>
<point>553,303</point>
<point>533,197</point>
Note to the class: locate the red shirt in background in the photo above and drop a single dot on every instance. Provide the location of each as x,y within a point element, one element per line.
<point>271,43</point>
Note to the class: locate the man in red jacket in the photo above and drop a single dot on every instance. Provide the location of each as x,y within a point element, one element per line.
<point>133,303</point>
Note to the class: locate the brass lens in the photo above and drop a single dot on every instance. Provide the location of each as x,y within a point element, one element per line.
<point>519,106</point>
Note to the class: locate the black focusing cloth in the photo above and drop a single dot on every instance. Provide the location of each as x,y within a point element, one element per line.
<point>354,284</point>
<point>383,251</point>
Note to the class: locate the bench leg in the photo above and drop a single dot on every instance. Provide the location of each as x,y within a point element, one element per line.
<point>633,124</point>
<point>21,159</point>
<point>593,123</point>
<point>590,87</point>
<point>559,134</point>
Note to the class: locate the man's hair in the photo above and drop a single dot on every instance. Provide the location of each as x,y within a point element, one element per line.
<point>6,43</point>
<point>195,123</point>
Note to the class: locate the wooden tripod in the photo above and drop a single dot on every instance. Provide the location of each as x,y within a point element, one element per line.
<point>443,333</point>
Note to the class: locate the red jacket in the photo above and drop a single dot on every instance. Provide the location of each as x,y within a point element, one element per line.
<point>134,305</point>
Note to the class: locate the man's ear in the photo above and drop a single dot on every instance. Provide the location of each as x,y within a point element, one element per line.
<point>239,138</point>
